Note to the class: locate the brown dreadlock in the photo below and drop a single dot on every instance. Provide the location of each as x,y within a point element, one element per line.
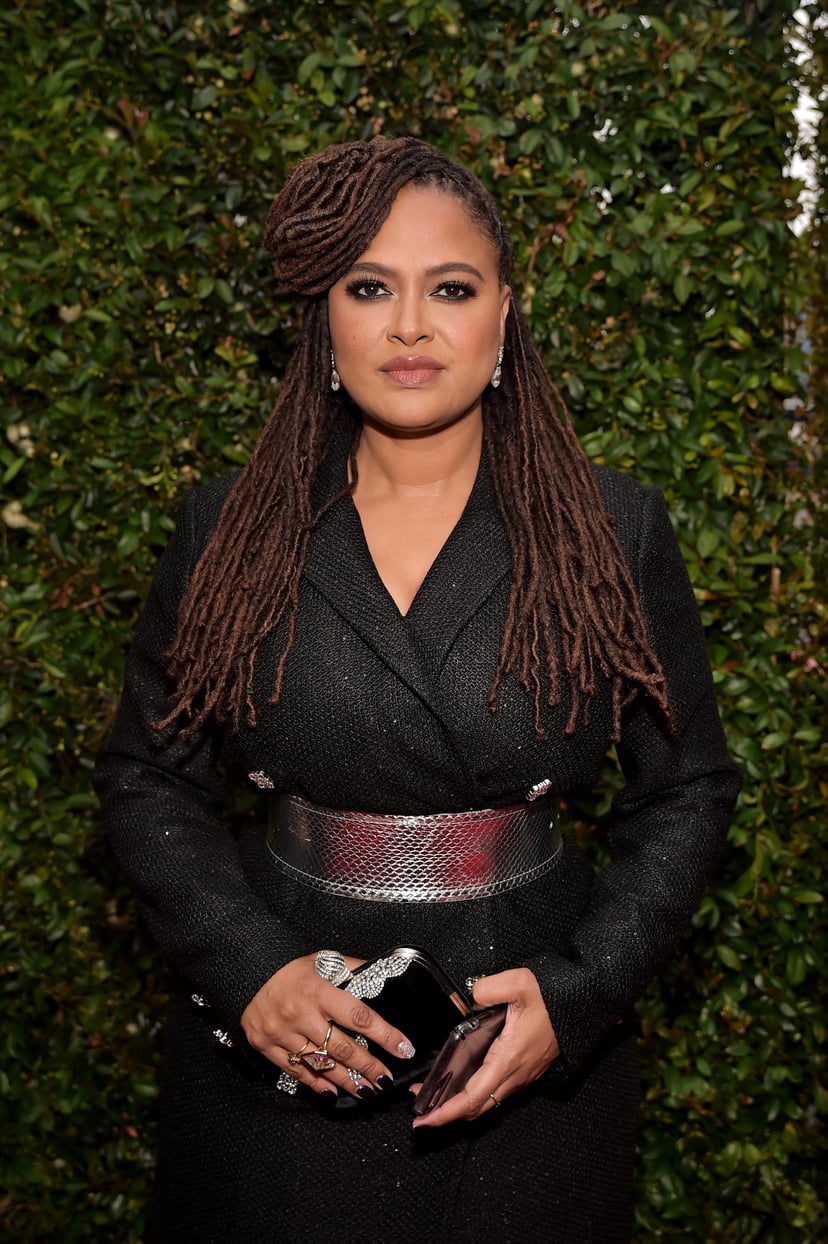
<point>584,619</point>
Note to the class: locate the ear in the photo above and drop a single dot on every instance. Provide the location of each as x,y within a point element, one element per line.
<point>505,304</point>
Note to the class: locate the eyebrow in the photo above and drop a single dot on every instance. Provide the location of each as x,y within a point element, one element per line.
<point>440,269</point>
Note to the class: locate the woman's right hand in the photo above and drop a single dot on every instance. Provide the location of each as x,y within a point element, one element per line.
<point>294,1008</point>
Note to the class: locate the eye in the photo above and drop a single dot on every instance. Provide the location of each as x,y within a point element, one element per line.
<point>455,291</point>
<point>366,291</point>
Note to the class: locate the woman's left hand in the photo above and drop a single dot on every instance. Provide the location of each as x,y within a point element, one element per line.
<point>525,1049</point>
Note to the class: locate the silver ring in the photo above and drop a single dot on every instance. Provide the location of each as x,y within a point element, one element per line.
<point>331,966</point>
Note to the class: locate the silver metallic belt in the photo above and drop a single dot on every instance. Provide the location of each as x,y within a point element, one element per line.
<point>437,858</point>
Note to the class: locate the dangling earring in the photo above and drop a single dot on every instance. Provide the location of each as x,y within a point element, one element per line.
<point>496,374</point>
<point>335,381</point>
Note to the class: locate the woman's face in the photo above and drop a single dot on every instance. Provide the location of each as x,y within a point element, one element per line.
<point>417,321</point>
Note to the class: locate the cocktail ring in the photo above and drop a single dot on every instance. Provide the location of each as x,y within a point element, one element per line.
<point>293,1059</point>
<point>331,966</point>
<point>320,1060</point>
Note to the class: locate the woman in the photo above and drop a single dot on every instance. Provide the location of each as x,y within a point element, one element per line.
<point>417,599</point>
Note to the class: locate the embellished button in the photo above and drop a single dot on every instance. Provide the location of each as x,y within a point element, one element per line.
<point>262,780</point>
<point>540,788</point>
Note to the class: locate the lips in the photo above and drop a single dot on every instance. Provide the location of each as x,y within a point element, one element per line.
<point>411,370</point>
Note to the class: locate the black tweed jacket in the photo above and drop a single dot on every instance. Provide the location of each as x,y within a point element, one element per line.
<point>386,713</point>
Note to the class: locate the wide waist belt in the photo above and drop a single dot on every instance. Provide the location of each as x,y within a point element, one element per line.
<point>437,858</point>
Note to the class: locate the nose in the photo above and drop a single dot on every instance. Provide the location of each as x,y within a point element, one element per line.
<point>410,321</point>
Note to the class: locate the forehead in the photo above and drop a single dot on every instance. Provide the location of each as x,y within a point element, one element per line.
<point>430,225</point>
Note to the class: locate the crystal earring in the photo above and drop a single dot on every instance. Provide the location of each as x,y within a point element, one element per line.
<point>496,374</point>
<point>335,381</point>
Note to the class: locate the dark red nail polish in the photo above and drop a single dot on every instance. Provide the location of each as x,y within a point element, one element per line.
<point>328,1096</point>
<point>365,1092</point>
<point>385,1083</point>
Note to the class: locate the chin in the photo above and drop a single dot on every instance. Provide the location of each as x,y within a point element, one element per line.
<point>423,424</point>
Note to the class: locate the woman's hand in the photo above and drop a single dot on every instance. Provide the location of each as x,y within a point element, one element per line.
<point>525,1049</point>
<point>294,1008</point>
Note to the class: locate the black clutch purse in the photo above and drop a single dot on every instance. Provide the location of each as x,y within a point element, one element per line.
<point>408,988</point>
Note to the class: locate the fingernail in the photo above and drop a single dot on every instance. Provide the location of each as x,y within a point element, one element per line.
<point>420,1127</point>
<point>365,1092</point>
<point>405,1049</point>
<point>328,1096</point>
<point>385,1083</point>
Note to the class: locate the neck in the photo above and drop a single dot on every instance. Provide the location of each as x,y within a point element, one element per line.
<point>426,465</point>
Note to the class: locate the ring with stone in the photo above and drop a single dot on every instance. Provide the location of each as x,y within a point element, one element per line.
<point>320,1060</point>
<point>295,1058</point>
<point>331,966</point>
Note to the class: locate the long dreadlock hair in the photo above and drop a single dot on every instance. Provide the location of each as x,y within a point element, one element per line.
<point>572,609</point>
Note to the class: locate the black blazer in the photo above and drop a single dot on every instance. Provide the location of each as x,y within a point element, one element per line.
<point>386,713</point>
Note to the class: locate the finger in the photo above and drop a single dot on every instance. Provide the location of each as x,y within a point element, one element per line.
<point>352,1013</point>
<point>355,1070</point>
<point>488,1088</point>
<point>346,1080</point>
<point>318,1084</point>
<point>326,1084</point>
<point>358,1071</point>
<point>515,986</point>
<point>469,1104</point>
<point>289,1060</point>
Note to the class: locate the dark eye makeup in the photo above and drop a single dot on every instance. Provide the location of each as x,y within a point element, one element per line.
<point>368,289</point>
<point>456,291</point>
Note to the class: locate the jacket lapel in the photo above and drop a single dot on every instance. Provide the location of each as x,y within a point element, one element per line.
<point>474,560</point>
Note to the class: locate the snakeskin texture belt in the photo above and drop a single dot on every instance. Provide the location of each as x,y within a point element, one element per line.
<point>437,858</point>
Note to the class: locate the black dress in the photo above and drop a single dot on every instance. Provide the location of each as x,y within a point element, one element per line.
<point>384,713</point>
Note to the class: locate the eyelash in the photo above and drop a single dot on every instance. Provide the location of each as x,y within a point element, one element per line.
<point>462,290</point>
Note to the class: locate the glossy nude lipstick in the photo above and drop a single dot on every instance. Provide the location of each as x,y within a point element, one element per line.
<point>410,371</point>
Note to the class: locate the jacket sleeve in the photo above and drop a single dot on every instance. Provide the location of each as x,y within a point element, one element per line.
<point>161,803</point>
<point>668,825</point>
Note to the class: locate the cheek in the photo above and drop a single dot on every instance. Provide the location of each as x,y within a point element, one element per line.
<point>337,323</point>
<point>350,336</point>
<point>483,336</point>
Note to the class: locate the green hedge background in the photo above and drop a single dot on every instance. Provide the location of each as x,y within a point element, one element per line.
<point>638,153</point>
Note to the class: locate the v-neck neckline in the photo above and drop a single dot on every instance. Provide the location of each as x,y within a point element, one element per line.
<point>473,562</point>
<point>432,573</point>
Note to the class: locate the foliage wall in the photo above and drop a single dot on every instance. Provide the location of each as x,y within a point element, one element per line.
<point>639,162</point>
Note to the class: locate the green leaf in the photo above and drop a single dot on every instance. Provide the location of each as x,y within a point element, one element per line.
<point>776,738</point>
<point>682,287</point>
<point>728,227</point>
<point>204,98</point>
<point>308,66</point>
<point>707,542</point>
<point>729,958</point>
